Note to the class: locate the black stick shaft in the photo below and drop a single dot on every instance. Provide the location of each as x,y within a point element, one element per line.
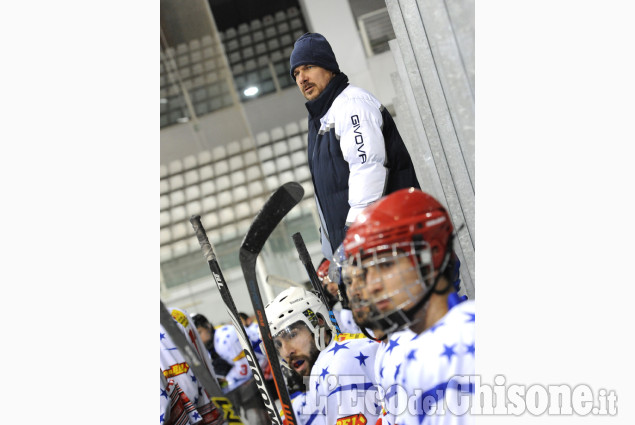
<point>305,258</point>
<point>274,210</point>
<point>210,256</point>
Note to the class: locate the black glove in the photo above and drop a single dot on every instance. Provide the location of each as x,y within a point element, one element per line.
<point>221,367</point>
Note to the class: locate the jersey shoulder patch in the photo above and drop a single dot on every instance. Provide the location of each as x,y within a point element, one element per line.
<point>346,336</point>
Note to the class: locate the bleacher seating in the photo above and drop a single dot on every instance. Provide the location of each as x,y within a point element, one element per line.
<point>249,48</point>
<point>228,185</point>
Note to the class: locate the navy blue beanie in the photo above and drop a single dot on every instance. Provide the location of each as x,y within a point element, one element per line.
<point>313,49</point>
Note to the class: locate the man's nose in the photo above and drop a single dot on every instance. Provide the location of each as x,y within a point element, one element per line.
<point>286,350</point>
<point>373,280</point>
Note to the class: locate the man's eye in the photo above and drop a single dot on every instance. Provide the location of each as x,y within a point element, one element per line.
<point>386,264</point>
<point>292,334</point>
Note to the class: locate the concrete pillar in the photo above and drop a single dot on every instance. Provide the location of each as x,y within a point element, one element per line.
<point>434,54</point>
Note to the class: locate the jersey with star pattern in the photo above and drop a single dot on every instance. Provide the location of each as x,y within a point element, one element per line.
<point>436,368</point>
<point>179,387</point>
<point>388,361</point>
<point>342,382</point>
<point>253,332</point>
<point>346,322</point>
<point>227,345</point>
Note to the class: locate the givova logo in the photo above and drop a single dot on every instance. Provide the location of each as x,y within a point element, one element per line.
<point>359,139</point>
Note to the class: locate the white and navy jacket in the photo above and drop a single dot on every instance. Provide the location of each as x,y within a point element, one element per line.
<point>355,154</point>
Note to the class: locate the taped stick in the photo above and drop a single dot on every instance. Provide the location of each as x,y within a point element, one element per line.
<point>305,258</point>
<point>250,355</point>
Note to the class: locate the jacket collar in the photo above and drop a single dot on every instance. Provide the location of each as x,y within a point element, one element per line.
<point>318,107</point>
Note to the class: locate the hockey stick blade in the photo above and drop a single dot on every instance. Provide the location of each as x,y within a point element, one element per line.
<point>223,404</point>
<point>250,355</point>
<point>277,206</point>
<point>305,258</point>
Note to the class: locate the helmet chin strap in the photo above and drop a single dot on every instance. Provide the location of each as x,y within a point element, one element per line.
<point>320,338</point>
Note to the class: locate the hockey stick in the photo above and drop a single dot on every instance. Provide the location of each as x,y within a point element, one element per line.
<point>313,277</point>
<point>201,372</point>
<point>259,377</point>
<point>277,206</point>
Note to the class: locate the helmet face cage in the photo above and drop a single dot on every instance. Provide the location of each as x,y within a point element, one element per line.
<point>403,283</point>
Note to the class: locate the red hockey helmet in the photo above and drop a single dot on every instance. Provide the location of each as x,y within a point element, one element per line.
<point>404,216</point>
<point>323,269</point>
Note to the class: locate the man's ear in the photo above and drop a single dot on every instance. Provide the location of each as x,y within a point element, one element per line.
<point>321,321</point>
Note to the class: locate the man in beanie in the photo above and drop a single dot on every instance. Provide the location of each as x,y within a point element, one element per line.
<point>355,152</point>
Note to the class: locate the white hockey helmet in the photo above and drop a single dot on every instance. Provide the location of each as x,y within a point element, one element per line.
<point>297,304</point>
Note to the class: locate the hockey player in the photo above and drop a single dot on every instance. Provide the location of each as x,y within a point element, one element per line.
<point>206,332</point>
<point>241,386</point>
<point>339,370</point>
<point>390,354</point>
<point>183,398</point>
<point>343,315</point>
<point>402,246</point>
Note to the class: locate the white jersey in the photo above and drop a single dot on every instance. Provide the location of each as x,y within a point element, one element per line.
<point>341,387</point>
<point>388,363</point>
<point>253,332</point>
<point>436,369</point>
<point>181,391</point>
<point>227,345</point>
<point>345,321</point>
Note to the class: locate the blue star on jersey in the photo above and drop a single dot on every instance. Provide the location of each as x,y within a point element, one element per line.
<point>338,386</point>
<point>393,344</point>
<point>338,347</point>
<point>362,358</point>
<point>448,351</point>
<point>324,372</point>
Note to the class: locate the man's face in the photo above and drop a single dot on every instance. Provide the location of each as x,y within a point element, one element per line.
<point>312,80</point>
<point>330,286</point>
<point>391,282</point>
<point>357,295</point>
<point>205,334</point>
<point>297,347</point>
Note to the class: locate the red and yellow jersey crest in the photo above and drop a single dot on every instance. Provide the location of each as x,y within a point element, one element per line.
<point>346,336</point>
<point>358,419</point>
<point>176,369</point>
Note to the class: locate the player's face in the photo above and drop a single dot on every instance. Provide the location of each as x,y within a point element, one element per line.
<point>296,346</point>
<point>311,80</point>
<point>205,334</point>
<point>330,286</point>
<point>391,282</point>
<point>357,295</point>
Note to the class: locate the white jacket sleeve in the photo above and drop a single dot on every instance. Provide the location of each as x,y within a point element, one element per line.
<point>363,147</point>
